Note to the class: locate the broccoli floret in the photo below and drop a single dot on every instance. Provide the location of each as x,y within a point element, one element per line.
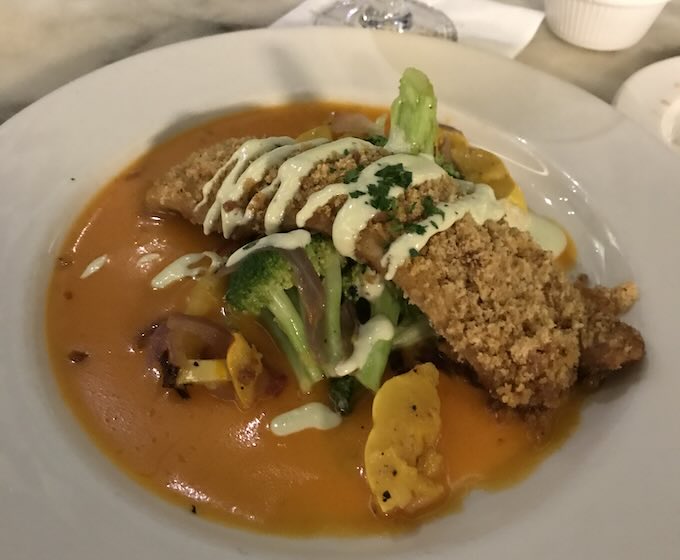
<point>328,265</point>
<point>258,285</point>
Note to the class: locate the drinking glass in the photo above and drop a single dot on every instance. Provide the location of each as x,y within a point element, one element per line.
<point>394,15</point>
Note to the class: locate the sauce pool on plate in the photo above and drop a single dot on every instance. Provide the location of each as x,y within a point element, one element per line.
<point>205,453</point>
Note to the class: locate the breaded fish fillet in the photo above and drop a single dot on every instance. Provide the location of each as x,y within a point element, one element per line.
<point>499,301</point>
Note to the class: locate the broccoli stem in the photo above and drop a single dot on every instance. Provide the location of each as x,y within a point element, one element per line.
<point>289,321</point>
<point>332,283</point>
<point>371,372</point>
<point>301,373</point>
<point>412,333</point>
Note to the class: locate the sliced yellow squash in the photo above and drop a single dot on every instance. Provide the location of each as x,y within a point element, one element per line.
<point>203,371</point>
<point>404,470</point>
<point>244,364</point>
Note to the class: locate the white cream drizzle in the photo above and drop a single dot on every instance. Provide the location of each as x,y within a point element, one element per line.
<point>355,213</point>
<point>241,159</point>
<point>254,173</point>
<point>185,267</point>
<point>317,200</point>
<point>291,240</point>
<point>374,330</point>
<point>312,415</point>
<point>481,204</point>
<point>371,290</point>
<point>293,170</point>
<point>95,265</point>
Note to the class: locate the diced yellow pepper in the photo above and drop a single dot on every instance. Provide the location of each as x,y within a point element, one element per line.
<point>244,364</point>
<point>203,371</point>
<point>403,467</point>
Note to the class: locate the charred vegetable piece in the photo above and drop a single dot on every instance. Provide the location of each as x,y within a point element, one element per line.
<point>203,372</point>
<point>403,467</point>
<point>342,394</point>
<point>244,365</point>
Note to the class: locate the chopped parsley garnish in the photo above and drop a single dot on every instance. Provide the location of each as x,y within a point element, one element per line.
<point>353,174</point>
<point>418,229</point>
<point>395,175</point>
<point>377,139</point>
<point>356,194</point>
<point>434,224</point>
<point>430,207</point>
<point>380,197</point>
<point>413,252</point>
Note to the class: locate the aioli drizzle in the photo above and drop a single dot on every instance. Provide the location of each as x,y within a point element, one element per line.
<point>295,169</point>
<point>311,415</point>
<point>94,266</point>
<point>183,267</point>
<point>375,329</point>
<point>250,150</point>
<point>355,213</point>
<point>481,204</point>
<point>291,240</point>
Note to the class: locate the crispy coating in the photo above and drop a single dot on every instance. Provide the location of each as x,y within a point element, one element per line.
<point>180,189</point>
<point>500,303</point>
<point>503,307</point>
<point>607,344</point>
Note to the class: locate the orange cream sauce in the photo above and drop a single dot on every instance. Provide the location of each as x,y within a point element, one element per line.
<point>205,453</point>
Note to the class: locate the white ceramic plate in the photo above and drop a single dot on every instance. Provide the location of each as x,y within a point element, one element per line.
<point>651,97</point>
<point>611,492</point>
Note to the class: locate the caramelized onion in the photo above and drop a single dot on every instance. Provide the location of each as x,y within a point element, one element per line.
<point>354,124</point>
<point>214,340</point>
<point>312,298</point>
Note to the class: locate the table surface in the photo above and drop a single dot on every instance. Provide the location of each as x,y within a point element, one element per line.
<point>28,77</point>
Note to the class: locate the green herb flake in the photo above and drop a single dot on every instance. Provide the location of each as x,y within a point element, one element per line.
<point>352,175</point>
<point>430,208</point>
<point>395,175</point>
<point>377,139</point>
<point>380,198</point>
<point>356,194</point>
<point>413,252</point>
<point>418,229</point>
<point>434,224</point>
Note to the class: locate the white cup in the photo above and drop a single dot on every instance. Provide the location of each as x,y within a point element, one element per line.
<point>602,25</point>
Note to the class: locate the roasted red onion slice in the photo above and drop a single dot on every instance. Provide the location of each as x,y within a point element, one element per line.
<point>354,124</point>
<point>214,339</point>
<point>312,298</point>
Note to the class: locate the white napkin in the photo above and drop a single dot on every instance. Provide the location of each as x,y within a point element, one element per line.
<point>485,24</point>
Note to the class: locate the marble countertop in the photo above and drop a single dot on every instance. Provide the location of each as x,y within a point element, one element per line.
<point>42,50</point>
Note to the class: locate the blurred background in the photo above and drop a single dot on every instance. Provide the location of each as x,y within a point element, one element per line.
<point>47,43</point>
